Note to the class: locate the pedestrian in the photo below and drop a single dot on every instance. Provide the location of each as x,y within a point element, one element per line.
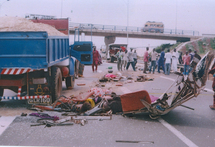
<point>168,60</point>
<point>125,59</point>
<point>153,61</point>
<point>161,61</point>
<point>186,61</point>
<point>175,56</point>
<point>135,57</point>
<point>122,59</point>
<point>130,60</point>
<point>191,59</point>
<point>119,60</point>
<point>146,60</point>
<point>180,61</point>
<point>95,59</point>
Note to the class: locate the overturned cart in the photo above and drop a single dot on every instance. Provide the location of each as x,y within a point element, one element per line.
<point>183,89</point>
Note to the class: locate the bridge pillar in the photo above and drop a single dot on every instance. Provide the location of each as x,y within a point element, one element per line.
<point>108,40</point>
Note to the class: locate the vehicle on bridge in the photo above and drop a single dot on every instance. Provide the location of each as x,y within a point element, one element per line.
<point>152,26</point>
<point>114,48</point>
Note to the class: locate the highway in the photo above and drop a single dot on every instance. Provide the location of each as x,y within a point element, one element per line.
<point>181,127</point>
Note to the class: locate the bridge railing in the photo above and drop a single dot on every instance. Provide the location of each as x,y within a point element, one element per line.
<point>129,29</point>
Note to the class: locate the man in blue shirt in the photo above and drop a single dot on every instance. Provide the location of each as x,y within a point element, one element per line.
<point>161,61</point>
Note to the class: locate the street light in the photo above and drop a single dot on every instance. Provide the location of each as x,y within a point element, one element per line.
<point>2,4</point>
<point>127,19</point>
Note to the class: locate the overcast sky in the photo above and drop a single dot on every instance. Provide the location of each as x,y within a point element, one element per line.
<point>195,15</point>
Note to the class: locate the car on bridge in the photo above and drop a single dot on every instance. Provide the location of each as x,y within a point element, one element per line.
<point>87,26</point>
<point>152,26</point>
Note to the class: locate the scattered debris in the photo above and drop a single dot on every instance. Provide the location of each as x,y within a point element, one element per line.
<point>144,142</point>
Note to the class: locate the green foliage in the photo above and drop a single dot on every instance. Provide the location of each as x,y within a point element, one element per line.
<point>212,42</point>
<point>201,50</point>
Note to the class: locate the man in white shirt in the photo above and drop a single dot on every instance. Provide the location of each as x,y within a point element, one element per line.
<point>130,60</point>
<point>168,57</point>
<point>175,56</point>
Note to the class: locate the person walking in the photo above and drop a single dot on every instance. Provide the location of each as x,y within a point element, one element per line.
<point>175,56</point>
<point>153,61</point>
<point>146,60</point>
<point>186,61</point>
<point>95,58</point>
<point>135,57</point>
<point>168,59</point>
<point>130,60</point>
<point>161,61</point>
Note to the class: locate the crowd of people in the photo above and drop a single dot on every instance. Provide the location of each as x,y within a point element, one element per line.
<point>166,61</point>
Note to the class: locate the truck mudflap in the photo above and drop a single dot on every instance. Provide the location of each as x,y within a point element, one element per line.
<point>45,99</point>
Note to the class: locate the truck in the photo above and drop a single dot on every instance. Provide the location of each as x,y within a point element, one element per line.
<point>113,49</point>
<point>33,64</point>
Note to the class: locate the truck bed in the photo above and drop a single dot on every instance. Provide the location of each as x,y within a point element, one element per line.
<point>34,50</point>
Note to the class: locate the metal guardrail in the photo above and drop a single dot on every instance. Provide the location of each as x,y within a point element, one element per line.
<point>129,29</point>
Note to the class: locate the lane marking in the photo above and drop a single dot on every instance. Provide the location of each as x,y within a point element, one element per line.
<point>167,125</point>
<point>177,133</point>
<point>209,90</point>
<point>5,121</point>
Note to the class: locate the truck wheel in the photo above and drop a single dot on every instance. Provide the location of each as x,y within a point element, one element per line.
<point>81,70</point>
<point>56,83</point>
<point>1,92</point>
<point>112,59</point>
<point>70,82</point>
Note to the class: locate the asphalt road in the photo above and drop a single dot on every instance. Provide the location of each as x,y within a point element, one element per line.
<point>181,127</point>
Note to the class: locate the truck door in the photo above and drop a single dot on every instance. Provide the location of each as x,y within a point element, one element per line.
<point>82,51</point>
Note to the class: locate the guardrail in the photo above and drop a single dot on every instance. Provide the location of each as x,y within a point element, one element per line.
<point>129,29</point>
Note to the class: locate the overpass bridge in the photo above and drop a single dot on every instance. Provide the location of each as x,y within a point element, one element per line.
<point>111,31</point>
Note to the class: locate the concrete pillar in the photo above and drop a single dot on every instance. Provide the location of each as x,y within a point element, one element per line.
<point>108,40</point>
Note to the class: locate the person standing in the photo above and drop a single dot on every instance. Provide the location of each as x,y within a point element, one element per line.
<point>119,60</point>
<point>191,59</point>
<point>146,59</point>
<point>130,60</point>
<point>168,58</point>
<point>175,56</point>
<point>125,58</point>
<point>95,59</point>
<point>135,57</point>
<point>153,61</point>
<point>186,61</point>
<point>161,61</point>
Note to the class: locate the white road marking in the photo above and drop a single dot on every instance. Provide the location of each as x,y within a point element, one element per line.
<point>177,133</point>
<point>5,121</point>
<point>167,78</point>
<point>168,126</point>
<point>209,90</point>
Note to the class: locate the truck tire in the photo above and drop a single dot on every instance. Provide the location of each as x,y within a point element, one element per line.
<point>81,70</point>
<point>70,82</point>
<point>1,92</point>
<point>112,59</point>
<point>56,83</point>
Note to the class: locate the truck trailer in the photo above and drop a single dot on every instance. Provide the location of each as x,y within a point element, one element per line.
<point>33,64</point>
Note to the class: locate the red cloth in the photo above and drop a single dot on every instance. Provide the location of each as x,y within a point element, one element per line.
<point>123,48</point>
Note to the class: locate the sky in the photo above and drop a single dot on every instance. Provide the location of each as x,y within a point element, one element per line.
<point>195,15</point>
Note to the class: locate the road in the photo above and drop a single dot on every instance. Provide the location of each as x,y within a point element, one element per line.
<point>181,127</point>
